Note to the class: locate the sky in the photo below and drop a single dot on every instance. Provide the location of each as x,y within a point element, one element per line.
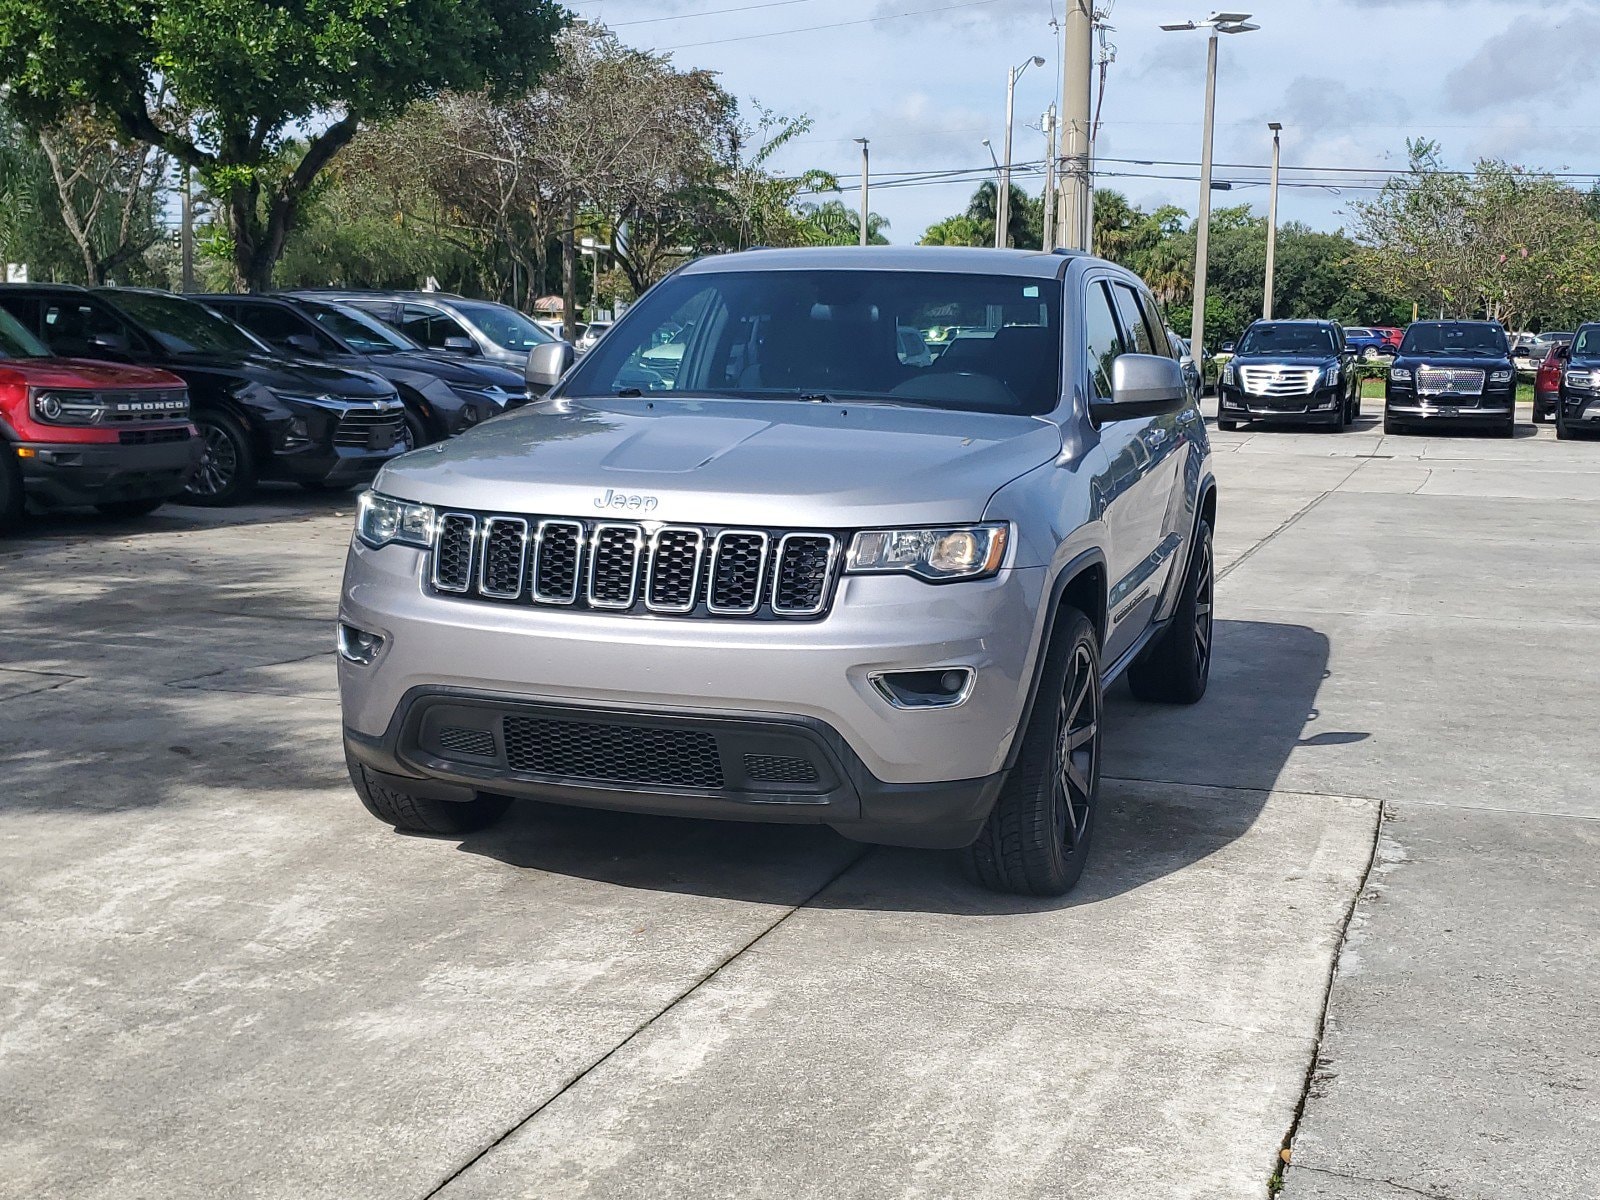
<point>1350,81</point>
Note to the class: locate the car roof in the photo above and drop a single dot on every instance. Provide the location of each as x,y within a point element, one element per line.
<point>967,260</point>
<point>1464,321</point>
<point>1299,321</point>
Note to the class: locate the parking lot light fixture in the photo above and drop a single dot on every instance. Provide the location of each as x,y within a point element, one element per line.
<point>1216,23</point>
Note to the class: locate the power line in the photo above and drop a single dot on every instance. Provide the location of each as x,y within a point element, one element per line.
<point>710,12</point>
<point>750,37</point>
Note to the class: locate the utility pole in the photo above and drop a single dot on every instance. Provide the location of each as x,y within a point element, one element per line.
<point>186,236</point>
<point>1049,123</point>
<point>1002,201</point>
<point>1077,65</point>
<point>865,182</point>
<point>1272,221</point>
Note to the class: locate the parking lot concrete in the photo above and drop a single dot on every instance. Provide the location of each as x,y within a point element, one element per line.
<point>220,976</point>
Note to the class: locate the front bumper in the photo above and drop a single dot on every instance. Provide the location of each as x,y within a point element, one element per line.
<point>812,679</point>
<point>1581,410</point>
<point>328,464</point>
<point>1321,405</point>
<point>70,474</point>
<point>1496,405</point>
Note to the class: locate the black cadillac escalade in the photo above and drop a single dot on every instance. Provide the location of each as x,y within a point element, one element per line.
<point>1298,371</point>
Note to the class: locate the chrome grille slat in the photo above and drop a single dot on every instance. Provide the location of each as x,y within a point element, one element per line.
<point>452,552</point>
<point>613,576</point>
<point>672,569</point>
<point>802,571</point>
<point>557,559</point>
<point>738,571</point>
<point>355,428</point>
<point>502,557</point>
<point>1449,381</point>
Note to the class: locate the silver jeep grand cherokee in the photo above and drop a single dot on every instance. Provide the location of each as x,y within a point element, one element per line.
<point>792,573</point>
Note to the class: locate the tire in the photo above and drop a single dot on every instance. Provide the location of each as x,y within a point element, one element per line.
<point>130,508</point>
<point>11,494</point>
<point>227,471</point>
<point>1563,434</point>
<point>1176,667</point>
<point>417,432</point>
<point>421,814</point>
<point>1390,425</point>
<point>1509,429</point>
<point>322,487</point>
<point>1226,426</point>
<point>1538,414</point>
<point>1036,840</point>
<point>1342,421</point>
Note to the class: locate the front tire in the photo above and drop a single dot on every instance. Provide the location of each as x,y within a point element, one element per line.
<point>1176,667</point>
<point>227,471</point>
<point>1390,425</point>
<point>1036,840</point>
<point>11,495</point>
<point>422,814</point>
<point>1224,426</point>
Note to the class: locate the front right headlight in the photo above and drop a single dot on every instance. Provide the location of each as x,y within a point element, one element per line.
<point>1580,379</point>
<point>382,520</point>
<point>936,555</point>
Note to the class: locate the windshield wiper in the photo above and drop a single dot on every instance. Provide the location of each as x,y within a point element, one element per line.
<point>814,397</point>
<point>628,393</point>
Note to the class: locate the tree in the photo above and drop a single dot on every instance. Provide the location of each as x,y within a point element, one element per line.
<point>833,223</point>
<point>975,226</point>
<point>958,231</point>
<point>108,189</point>
<point>247,76</point>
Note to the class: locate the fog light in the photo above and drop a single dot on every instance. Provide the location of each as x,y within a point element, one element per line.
<point>358,646</point>
<point>941,687</point>
<point>297,434</point>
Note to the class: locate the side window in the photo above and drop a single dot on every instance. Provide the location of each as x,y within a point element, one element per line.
<point>24,310</point>
<point>428,326</point>
<point>268,322</point>
<point>83,328</point>
<point>1165,344</point>
<point>1137,333</point>
<point>1101,338</point>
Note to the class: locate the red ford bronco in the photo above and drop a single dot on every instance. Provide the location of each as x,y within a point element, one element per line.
<point>76,432</point>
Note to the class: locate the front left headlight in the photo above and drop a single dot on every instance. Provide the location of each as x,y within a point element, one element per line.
<point>1228,374</point>
<point>936,555</point>
<point>1501,377</point>
<point>1400,374</point>
<point>382,520</point>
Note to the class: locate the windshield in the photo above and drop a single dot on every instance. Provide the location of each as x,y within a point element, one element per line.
<point>364,334</point>
<point>183,327</point>
<point>838,335</point>
<point>503,326</point>
<point>1289,339</point>
<point>17,342</point>
<point>1454,339</point>
<point>1587,344</point>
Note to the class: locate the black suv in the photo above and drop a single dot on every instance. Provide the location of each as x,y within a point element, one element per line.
<point>262,417</point>
<point>1452,373</point>
<point>444,394</point>
<point>1578,408</point>
<point>1290,370</point>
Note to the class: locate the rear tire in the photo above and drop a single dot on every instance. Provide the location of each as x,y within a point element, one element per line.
<point>1226,426</point>
<point>130,508</point>
<point>1036,840</point>
<point>1176,667</point>
<point>421,814</point>
<point>227,471</point>
<point>11,494</point>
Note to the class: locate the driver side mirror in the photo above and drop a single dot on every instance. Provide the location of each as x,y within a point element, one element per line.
<point>1227,348</point>
<point>303,343</point>
<point>460,345</point>
<point>547,363</point>
<point>1143,385</point>
<point>116,343</point>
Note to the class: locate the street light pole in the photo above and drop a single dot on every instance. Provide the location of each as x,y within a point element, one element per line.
<point>1272,221</point>
<point>1002,203</point>
<point>1217,23</point>
<point>865,184</point>
<point>1049,123</point>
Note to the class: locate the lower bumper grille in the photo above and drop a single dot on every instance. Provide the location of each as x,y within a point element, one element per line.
<point>613,753</point>
<point>370,430</point>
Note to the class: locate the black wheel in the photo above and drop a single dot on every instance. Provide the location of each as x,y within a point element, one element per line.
<point>1226,426</point>
<point>1562,432</point>
<point>1036,840</point>
<point>131,508</point>
<point>1342,420</point>
<point>1176,667</point>
<point>1538,414</point>
<point>420,814</point>
<point>1390,425</point>
<point>322,486</point>
<point>416,433</point>
<point>227,470</point>
<point>1509,429</point>
<point>11,497</point>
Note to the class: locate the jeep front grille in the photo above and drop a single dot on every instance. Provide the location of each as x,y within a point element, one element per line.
<point>629,567</point>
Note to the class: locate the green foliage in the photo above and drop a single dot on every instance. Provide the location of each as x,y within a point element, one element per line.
<point>237,78</point>
<point>833,223</point>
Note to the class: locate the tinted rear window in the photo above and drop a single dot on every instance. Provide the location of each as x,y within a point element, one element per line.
<point>989,343</point>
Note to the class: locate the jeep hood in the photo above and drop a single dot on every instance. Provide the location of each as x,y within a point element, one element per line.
<point>729,462</point>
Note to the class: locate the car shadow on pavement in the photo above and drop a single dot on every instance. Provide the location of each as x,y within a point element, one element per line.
<point>270,502</point>
<point>1178,785</point>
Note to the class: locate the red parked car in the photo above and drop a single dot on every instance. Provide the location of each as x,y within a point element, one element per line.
<point>1547,383</point>
<point>75,432</point>
<point>1391,336</point>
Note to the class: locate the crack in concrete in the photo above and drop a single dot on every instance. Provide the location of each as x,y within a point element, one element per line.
<point>193,679</point>
<point>1235,787</point>
<point>647,1024</point>
<point>1395,1184</point>
<point>1289,523</point>
<point>1287,1147</point>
